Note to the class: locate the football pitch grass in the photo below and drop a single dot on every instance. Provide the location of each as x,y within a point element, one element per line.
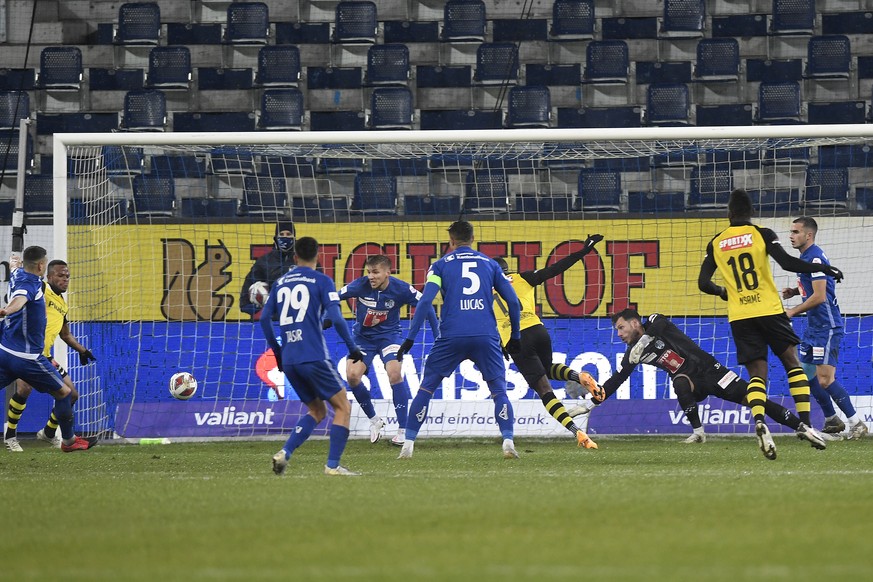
<point>644,508</point>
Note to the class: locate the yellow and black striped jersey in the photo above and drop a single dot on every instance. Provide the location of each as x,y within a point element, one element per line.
<point>56,314</point>
<point>527,298</point>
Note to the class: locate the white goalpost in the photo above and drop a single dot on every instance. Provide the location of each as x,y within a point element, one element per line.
<point>161,229</point>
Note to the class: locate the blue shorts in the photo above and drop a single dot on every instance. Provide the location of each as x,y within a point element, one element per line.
<point>39,373</point>
<point>448,352</point>
<point>313,380</point>
<point>821,346</point>
<point>385,347</point>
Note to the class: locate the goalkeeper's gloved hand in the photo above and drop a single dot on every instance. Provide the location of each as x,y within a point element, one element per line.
<point>356,355</point>
<point>832,271</point>
<point>278,356</point>
<point>636,352</point>
<point>86,357</point>
<point>513,346</point>
<point>592,240</point>
<point>723,293</point>
<point>404,349</point>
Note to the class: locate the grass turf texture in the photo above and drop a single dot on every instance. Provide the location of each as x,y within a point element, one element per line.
<point>639,508</point>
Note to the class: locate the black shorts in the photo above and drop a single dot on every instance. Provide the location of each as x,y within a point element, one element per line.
<point>535,354</point>
<point>752,336</point>
<point>720,382</point>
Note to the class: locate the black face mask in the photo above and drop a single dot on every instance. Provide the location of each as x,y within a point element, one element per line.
<point>285,243</point>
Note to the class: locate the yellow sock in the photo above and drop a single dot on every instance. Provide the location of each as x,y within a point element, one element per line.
<point>558,412</point>
<point>756,394</point>
<point>798,387</point>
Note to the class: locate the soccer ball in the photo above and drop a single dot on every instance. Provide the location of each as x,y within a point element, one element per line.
<point>183,385</point>
<point>258,293</point>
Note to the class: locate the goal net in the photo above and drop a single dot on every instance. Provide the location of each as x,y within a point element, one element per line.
<point>161,230</point>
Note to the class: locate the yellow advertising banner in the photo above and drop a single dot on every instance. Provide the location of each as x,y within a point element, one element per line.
<point>195,272</point>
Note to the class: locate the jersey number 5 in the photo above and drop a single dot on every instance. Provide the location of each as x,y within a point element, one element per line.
<point>296,298</point>
<point>744,271</point>
<point>467,273</point>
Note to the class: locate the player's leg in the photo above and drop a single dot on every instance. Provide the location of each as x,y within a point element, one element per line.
<point>487,354</point>
<point>826,373</point>
<point>339,434</point>
<point>44,377</point>
<point>355,372</point>
<point>783,342</point>
<point>752,353</point>
<point>400,394</point>
<point>444,357</point>
<point>49,433</point>
<point>17,404</point>
<point>317,411</point>
<point>688,401</point>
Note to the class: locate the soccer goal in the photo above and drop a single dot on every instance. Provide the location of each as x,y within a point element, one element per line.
<point>160,231</point>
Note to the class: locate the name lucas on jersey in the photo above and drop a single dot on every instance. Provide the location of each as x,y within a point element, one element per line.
<point>472,304</point>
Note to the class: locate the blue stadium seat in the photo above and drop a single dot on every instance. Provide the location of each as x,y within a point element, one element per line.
<point>461,119</point>
<point>281,109</point>
<point>776,200</point>
<point>828,57</point>
<point>7,207</point>
<point>178,166</point>
<point>796,157</point>
<point>529,106</point>
<point>826,187</point>
<point>773,70</point>
<point>599,190</point>
<point>111,210</point>
<point>169,67</point>
<point>845,156</point>
<point>555,204</point>
<point>410,31</point>
<point>730,114</point>
<point>209,207</point>
<point>620,27</point>
<point>214,121</point>
<point>60,68</point>
<point>187,33</point>
<point>38,196</point>
<point>247,23</point>
<point>337,121</point>
<point>387,64</point>
<point>391,108</point>
<point>836,112</point>
<point>9,152</point>
<point>333,78</point>
<point>864,199</point>
<point>606,62</point>
<point>123,160</point>
<point>418,205</point>
<point>496,63</point>
<point>144,111</point>
<point>298,33</point>
<point>846,22</point>
<point>139,23</point>
<point>779,102</point>
<point>463,21</point>
<point>710,188</point>
<point>663,72</point>
<point>154,196</point>
<point>375,193</point>
<point>486,191</point>
<point>572,20</point>
<point>625,116</point>
<point>75,122</point>
<point>520,30</point>
<point>667,104</point>
<point>554,75</point>
<point>656,202</point>
<point>278,66</point>
<point>718,59</point>
<point>103,79</point>
<point>683,18</point>
<point>221,79</point>
<point>231,161</point>
<point>739,26</point>
<point>17,79</point>
<point>355,22</point>
<point>265,197</point>
<point>434,76</point>
<point>287,166</point>
<point>793,17</point>
<point>14,106</point>
<point>400,166</point>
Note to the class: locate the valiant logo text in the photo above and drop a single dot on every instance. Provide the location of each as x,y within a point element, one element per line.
<point>230,416</point>
<point>735,242</point>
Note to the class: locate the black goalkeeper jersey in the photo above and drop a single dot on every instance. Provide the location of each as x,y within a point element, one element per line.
<point>670,350</point>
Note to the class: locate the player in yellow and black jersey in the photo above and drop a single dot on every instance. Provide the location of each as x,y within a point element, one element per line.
<point>56,283</point>
<point>534,359</point>
<point>740,253</point>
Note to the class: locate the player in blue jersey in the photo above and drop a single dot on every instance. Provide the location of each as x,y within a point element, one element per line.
<point>820,346</point>
<point>301,298</point>
<point>379,297</point>
<point>468,330</point>
<point>23,339</point>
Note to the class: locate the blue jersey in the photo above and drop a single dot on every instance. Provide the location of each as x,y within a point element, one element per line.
<point>827,315</point>
<point>24,331</point>
<point>466,279</point>
<point>377,313</point>
<point>301,297</point>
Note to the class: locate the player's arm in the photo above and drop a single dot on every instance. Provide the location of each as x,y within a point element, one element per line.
<point>15,304</point>
<point>267,326</point>
<point>505,290</point>
<point>414,299</point>
<point>795,264</point>
<point>539,276</point>
<point>66,335</point>
<point>335,314</point>
<point>615,381</point>
<point>704,278</point>
<point>819,296</point>
<point>425,305</point>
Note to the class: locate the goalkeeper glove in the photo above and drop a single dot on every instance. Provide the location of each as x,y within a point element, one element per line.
<point>592,240</point>
<point>404,349</point>
<point>356,355</point>
<point>636,352</point>
<point>86,357</point>
<point>832,271</point>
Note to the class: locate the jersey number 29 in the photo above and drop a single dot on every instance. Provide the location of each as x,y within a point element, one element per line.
<point>296,298</point>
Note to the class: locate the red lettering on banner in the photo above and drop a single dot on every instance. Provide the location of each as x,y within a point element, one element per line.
<point>493,249</point>
<point>327,257</point>
<point>422,255</point>
<point>623,280</point>
<point>556,293</point>
<point>527,253</point>
<point>258,251</point>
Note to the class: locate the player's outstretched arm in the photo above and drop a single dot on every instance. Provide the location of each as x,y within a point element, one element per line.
<point>85,355</point>
<point>704,278</point>
<point>425,305</point>
<point>798,265</point>
<point>540,276</point>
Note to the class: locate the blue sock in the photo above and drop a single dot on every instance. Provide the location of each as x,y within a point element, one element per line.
<point>502,407</point>
<point>841,397</point>
<point>300,434</point>
<point>339,436</point>
<point>401,395</point>
<point>821,396</point>
<point>417,414</point>
<point>362,395</point>
<point>63,411</point>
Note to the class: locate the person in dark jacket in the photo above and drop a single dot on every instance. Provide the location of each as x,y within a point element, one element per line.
<point>268,268</point>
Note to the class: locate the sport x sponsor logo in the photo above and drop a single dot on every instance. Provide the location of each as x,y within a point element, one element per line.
<point>736,242</point>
